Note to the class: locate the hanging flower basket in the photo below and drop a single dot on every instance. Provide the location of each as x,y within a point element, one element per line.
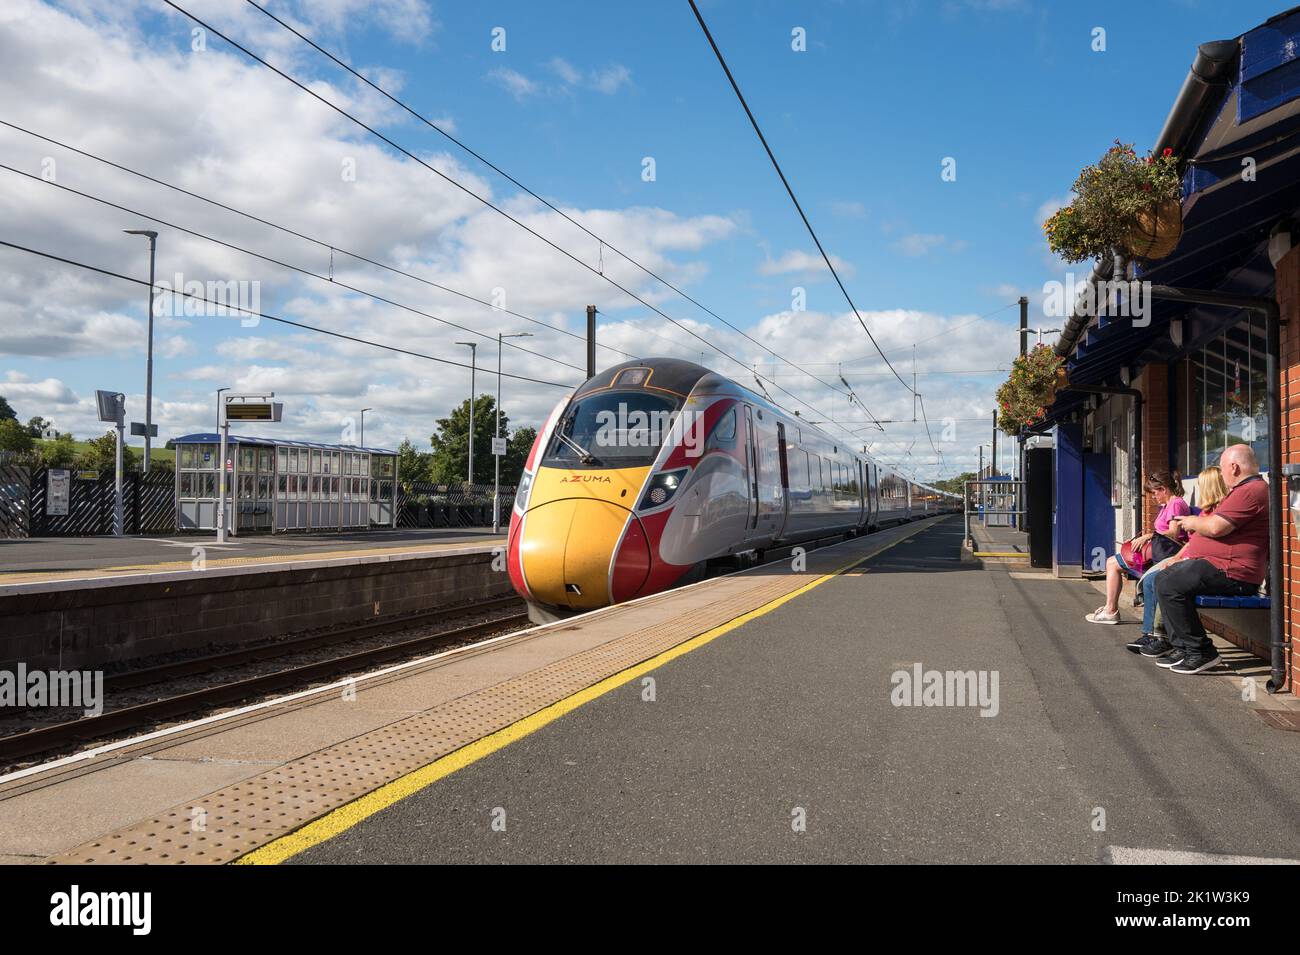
<point>1030,389</point>
<point>1123,202</point>
<point>1155,230</point>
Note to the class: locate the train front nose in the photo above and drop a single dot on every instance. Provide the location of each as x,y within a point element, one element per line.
<point>583,553</point>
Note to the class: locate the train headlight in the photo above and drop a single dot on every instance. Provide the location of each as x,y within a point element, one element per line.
<point>662,488</point>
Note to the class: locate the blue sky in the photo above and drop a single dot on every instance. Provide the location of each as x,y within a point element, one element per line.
<point>583,92</point>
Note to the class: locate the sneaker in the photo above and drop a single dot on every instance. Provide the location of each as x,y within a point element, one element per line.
<point>1136,646</point>
<point>1156,648</point>
<point>1196,664</point>
<point>1170,659</point>
<point>1101,616</point>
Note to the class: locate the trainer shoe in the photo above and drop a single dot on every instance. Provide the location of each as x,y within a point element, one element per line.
<point>1196,664</point>
<point>1170,659</point>
<point>1101,616</point>
<point>1156,648</point>
<point>1137,645</point>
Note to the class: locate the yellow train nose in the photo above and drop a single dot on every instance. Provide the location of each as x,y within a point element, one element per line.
<point>566,551</point>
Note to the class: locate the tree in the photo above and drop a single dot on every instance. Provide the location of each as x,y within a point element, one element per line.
<point>36,426</point>
<point>451,443</point>
<point>956,484</point>
<point>101,453</point>
<point>512,465</point>
<point>412,465</point>
<point>6,411</point>
<point>59,453</point>
<point>14,437</point>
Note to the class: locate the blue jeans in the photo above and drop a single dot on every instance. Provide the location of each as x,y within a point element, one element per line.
<point>1150,603</point>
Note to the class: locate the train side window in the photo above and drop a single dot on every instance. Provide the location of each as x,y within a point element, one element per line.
<point>724,432</point>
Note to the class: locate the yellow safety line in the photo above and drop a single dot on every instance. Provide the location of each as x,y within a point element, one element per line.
<point>990,553</point>
<point>348,815</point>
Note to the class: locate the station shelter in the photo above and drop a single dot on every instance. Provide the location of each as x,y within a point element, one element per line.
<point>1172,388</point>
<point>274,485</point>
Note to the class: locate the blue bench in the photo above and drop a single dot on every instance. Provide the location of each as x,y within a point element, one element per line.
<point>1239,603</point>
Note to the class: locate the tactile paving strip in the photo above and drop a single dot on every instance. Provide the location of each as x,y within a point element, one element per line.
<point>231,822</point>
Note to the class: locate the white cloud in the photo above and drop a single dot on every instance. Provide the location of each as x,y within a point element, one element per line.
<point>915,244</point>
<point>848,209</point>
<point>514,82</point>
<point>568,79</point>
<point>611,79</point>
<point>98,81</point>
<point>807,264</point>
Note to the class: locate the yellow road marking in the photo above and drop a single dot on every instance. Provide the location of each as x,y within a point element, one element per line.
<point>348,815</point>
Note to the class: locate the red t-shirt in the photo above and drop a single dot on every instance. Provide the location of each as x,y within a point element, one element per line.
<point>1242,553</point>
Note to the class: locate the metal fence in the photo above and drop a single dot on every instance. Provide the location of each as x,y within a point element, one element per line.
<point>422,504</point>
<point>994,503</point>
<point>148,505</point>
<point>15,505</point>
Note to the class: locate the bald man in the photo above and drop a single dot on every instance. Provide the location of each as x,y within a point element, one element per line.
<point>1226,556</point>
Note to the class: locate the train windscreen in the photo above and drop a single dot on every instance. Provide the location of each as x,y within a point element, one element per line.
<point>614,429</point>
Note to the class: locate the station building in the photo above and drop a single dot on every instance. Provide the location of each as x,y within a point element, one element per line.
<point>1215,360</point>
<point>277,485</point>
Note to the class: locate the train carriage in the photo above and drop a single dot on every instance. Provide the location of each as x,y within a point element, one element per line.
<point>652,469</point>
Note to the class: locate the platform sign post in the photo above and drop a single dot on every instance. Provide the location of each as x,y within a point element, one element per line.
<point>112,409</point>
<point>241,408</point>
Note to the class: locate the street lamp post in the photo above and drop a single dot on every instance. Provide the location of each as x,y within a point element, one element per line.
<point>361,438</point>
<point>219,391</point>
<point>496,433</point>
<point>148,366</point>
<point>473,367</point>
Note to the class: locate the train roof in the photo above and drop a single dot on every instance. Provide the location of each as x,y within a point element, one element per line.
<point>680,377</point>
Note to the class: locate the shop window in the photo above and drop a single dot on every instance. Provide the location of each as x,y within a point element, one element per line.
<point>1224,393</point>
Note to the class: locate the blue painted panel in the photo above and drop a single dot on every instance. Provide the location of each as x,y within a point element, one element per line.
<point>1098,514</point>
<point>1067,502</point>
<point>1267,47</point>
<point>1270,67</point>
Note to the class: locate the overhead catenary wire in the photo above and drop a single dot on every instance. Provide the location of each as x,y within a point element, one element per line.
<point>286,265</point>
<point>271,318</point>
<point>602,242</point>
<point>332,247</point>
<point>790,191</point>
<point>460,186</point>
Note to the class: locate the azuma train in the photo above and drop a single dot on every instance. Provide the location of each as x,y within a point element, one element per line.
<point>654,469</point>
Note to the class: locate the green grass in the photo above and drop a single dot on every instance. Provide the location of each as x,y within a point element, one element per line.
<point>158,453</point>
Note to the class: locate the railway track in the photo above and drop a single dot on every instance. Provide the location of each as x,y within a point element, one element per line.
<point>60,735</point>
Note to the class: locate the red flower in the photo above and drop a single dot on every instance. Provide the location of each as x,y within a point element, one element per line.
<point>1168,151</point>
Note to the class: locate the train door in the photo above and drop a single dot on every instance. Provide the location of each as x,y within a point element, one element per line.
<point>751,467</point>
<point>785,471</point>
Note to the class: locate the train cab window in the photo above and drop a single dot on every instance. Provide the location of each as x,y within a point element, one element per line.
<point>724,432</point>
<point>614,429</point>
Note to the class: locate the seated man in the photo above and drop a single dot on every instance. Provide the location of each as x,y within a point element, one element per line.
<point>1227,555</point>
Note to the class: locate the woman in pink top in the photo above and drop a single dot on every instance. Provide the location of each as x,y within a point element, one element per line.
<point>1165,542</point>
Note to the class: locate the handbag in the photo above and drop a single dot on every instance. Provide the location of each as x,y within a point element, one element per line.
<point>1136,557</point>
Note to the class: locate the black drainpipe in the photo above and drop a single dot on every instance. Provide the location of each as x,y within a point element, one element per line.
<point>1268,308</point>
